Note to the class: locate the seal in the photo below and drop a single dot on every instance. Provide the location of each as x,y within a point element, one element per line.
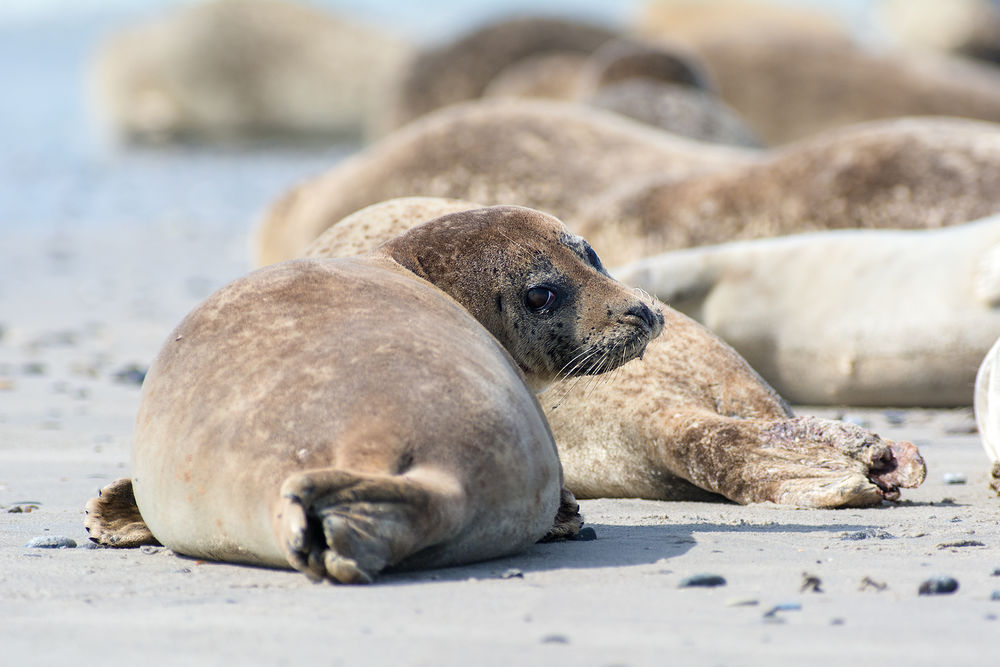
<point>634,191</point>
<point>464,68</point>
<point>847,317</point>
<point>789,85</point>
<point>233,71</point>
<point>346,416</point>
<point>987,407</point>
<point>552,156</point>
<point>692,422</point>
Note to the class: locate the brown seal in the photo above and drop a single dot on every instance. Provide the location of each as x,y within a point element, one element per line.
<point>345,416</point>
<point>692,419</point>
<point>635,191</point>
<point>225,71</point>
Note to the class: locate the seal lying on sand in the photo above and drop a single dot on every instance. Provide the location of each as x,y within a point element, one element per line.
<point>692,418</point>
<point>344,416</point>
<point>551,156</point>
<point>988,409</point>
<point>236,70</point>
<point>851,317</point>
<point>635,191</point>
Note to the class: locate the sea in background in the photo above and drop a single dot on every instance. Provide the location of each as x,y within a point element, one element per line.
<point>57,172</point>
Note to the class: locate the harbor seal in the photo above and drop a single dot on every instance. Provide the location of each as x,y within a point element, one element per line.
<point>693,421</point>
<point>549,155</point>
<point>233,71</point>
<point>636,191</point>
<point>788,85</point>
<point>345,416</point>
<point>849,317</point>
<point>987,406</point>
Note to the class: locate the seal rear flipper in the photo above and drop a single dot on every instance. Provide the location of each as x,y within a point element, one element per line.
<point>113,519</point>
<point>348,527</point>
<point>568,521</point>
<point>805,461</point>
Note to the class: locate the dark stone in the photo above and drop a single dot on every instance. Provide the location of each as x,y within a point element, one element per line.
<point>940,585</point>
<point>703,580</point>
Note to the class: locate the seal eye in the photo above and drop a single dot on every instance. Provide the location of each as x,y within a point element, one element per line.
<point>539,299</point>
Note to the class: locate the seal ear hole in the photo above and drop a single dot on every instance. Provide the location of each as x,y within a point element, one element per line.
<point>538,299</point>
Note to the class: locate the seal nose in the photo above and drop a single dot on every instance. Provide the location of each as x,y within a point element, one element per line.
<point>643,313</point>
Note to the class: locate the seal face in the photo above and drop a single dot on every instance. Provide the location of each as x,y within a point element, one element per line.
<point>345,416</point>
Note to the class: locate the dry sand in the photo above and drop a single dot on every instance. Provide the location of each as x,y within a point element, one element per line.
<point>78,307</point>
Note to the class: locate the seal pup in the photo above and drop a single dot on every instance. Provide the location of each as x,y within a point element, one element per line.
<point>548,155</point>
<point>226,71</point>
<point>345,416</point>
<point>692,420</point>
<point>987,407</point>
<point>849,317</point>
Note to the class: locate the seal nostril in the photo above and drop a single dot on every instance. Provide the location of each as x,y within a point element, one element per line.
<point>642,312</point>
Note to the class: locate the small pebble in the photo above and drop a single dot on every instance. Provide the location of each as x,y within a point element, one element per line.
<point>940,585</point>
<point>705,580</point>
<point>150,549</point>
<point>50,542</point>
<point>512,573</point>
<point>962,543</point>
<point>868,533</point>
<point>555,639</point>
<point>742,602</point>
<point>131,374</point>
<point>783,606</point>
<point>868,582</point>
<point>895,417</point>
<point>995,596</point>
<point>810,582</point>
<point>953,478</point>
<point>996,572</point>
<point>586,534</point>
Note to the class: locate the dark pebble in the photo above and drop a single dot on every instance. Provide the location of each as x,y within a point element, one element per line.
<point>938,586</point>
<point>995,596</point>
<point>555,639</point>
<point>963,543</point>
<point>33,368</point>
<point>50,542</point>
<point>996,572</point>
<point>784,606</point>
<point>953,478</point>
<point>868,534</point>
<point>131,374</point>
<point>586,534</point>
<point>706,580</point>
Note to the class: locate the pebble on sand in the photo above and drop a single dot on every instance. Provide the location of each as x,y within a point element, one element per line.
<point>940,585</point>
<point>868,533</point>
<point>953,478</point>
<point>50,542</point>
<point>586,534</point>
<point>704,580</point>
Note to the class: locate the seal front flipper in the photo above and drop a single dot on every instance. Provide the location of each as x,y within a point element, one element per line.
<point>804,461</point>
<point>113,519</point>
<point>348,527</point>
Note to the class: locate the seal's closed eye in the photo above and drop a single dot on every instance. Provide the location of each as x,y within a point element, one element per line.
<point>539,299</point>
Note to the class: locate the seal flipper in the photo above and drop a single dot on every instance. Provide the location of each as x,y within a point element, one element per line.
<point>348,526</point>
<point>804,461</point>
<point>568,521</point>
<point>113,519</point>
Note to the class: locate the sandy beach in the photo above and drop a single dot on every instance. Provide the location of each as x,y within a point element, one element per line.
<point>68,395</point>
<point>103,252</point>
